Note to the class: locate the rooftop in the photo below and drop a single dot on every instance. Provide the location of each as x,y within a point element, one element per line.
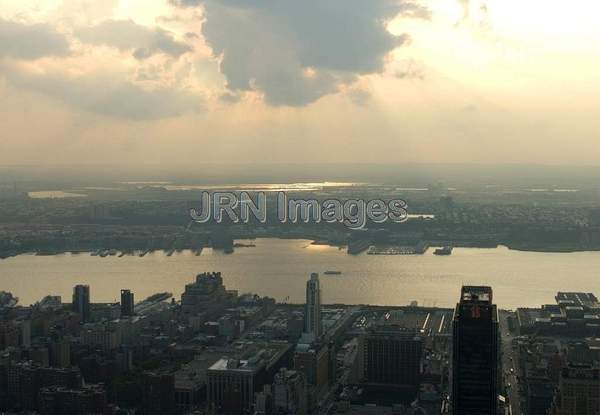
<point>234,364</point>
<point>585,300</point>
<point>480,294</point>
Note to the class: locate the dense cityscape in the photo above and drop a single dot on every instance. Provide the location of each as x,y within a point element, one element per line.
<point>216,351</point>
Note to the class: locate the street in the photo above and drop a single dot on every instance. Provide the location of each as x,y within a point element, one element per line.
<point>510,360</point>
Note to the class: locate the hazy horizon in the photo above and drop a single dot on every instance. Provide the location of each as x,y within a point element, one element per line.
<point>402,174</point>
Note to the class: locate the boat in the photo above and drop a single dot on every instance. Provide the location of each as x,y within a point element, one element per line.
<point>418,249</point>
<point>243,245</point>
<point>332,273</point>
<point>446,250</point>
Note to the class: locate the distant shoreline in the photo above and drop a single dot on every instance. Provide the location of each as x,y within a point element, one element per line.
<point>244,243</point>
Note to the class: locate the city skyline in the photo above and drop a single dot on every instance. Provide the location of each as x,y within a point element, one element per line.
<point>299,207</point>
<point>424,358</point>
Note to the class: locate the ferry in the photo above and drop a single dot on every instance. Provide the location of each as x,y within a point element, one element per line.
<point>446,250</point>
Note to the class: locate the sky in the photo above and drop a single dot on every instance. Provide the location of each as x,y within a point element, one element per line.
<point>178,82</point>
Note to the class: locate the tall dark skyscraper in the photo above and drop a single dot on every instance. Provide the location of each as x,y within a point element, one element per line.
<point>475,353</point>
<point>312,312</point>
<point>392,357</point>
<point>81,301</point>
<point>126,303</point>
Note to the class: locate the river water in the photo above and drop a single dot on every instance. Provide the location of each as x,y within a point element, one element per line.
<point>279,268</point>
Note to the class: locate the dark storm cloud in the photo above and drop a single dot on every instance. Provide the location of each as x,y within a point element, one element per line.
<point>127,35</point>
<point>295,52</point>
<point>107,96</point>
<point>30,42</point>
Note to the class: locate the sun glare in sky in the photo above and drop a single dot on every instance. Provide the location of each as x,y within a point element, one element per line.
<point>445,80</point>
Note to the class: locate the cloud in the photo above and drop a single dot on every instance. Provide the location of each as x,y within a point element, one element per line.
<point>360,96</point>
<point>409,69</point>
<point>477,9</point>
<point>29,42</point>
<point>294,52</point>
<point>126,35</point>
<point>229,98</point>
<point>465,4</point>
<point>108,96</point>
<point>185,3</point>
